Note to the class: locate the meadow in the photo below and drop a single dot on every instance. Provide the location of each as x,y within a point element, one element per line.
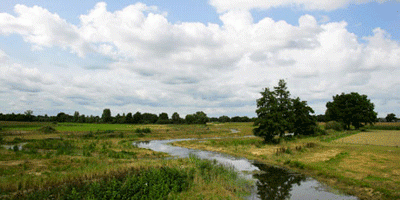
<point>97,161</point>
<point>72,160</point>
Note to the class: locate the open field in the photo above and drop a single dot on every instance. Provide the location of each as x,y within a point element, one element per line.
<point>85,160</point>
<point>383,138</point>
<point>86,153</point>
<point>367,171</point>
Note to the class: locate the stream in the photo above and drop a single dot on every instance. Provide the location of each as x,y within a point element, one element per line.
<point>270,182</point>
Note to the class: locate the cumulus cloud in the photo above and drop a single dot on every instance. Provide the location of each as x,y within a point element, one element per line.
<point>327,5</point>
<point>162,66</point>
<point>42,28</point>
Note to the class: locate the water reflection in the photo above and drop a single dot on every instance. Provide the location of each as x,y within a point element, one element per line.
<point>271,182</point>
<point>275,183</point>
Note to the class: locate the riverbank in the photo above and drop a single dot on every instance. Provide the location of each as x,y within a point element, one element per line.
<point>366,171</point>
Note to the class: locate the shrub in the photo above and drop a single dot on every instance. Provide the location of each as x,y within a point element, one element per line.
<point>337,126</point>
<point>156,183</point>
<point>47,129</point>
<point>143,130</point>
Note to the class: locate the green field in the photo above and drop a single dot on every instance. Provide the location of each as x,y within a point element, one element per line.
<point>98,161</point>
<point>72,159</point>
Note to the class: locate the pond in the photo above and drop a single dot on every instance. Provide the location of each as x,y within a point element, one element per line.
<point>270,182</point>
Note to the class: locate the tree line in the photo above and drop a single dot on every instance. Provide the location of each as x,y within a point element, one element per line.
<point>137,118</point>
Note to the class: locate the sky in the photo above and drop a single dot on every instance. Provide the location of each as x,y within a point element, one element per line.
<point>185,56</point>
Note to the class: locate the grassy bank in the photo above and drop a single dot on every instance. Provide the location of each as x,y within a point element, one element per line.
<point>84,160</point>
<point>367,171</point>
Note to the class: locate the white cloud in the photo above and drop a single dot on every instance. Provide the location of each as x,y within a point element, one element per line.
<point>327,5</point>
<point>162,66</point>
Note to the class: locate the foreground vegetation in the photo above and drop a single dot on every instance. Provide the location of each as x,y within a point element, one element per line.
<point>98,161</point>
<point>71,160</point>
<point>368,171</point>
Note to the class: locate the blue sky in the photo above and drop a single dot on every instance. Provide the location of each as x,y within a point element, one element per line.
<point>187,56</point>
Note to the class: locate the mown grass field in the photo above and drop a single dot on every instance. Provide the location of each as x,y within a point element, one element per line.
<point>367,171</point>
<point>80,161</point>
<point>374,137</point>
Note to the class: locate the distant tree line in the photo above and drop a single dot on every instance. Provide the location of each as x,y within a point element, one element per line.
<point>137,118</point>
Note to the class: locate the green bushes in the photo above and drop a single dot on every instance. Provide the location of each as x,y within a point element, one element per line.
<point>47,129</point>
<point>143,130</point>
<point>337,126</point>
<point>155,183</point>
<point>62,147</point>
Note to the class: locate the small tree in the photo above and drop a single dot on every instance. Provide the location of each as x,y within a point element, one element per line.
<point>76,116</point>
<point>351,109</point>
<point>201,117</point>
<point>106,116</point>
<point>175,118</point>
<point>137,118</point>
<point>28,115</point>
<point>390,117</point>
<point>163,118</point>
<point>128,118</point>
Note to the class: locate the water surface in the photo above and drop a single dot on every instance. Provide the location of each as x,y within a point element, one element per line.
<point>271,182</point>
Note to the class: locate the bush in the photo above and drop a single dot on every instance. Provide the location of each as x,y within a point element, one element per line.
<point>320,131</point>
<point>47,129</point>
<point>143,130</point>
<point>337,126</point>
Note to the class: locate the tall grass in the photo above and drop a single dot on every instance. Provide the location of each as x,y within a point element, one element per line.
<point>155,183</point>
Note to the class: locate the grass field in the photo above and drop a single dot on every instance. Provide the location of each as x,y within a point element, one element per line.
<point>374,137</point>
<point>80,161</point>
<point>86,154</point>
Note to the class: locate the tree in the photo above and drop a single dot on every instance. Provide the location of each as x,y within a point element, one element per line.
<point>190,119</point>
<point>61,117</point>
<point>106,116</point>
<point>149,118</point>
<point>175,118</point>
<point>224,119</point>
<point>163,118</point>
<point>351,109</point>
<point>390,117</point>
<point>76,116</point>
<point>128,118</point>
<point>137,118</point>
<point>201,117</point>
<point>277,114</point>
<point>28,115</point>
<point>304,122</point>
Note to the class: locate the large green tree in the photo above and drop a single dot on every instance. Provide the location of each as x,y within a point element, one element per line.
<point>278,114</point>
<point>351,109</point>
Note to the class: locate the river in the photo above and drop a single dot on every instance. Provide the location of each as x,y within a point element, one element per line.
<point>270,182</point>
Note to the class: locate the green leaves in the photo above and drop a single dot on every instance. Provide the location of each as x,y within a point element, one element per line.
<point>278,113</point>
<point>351,109</point>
